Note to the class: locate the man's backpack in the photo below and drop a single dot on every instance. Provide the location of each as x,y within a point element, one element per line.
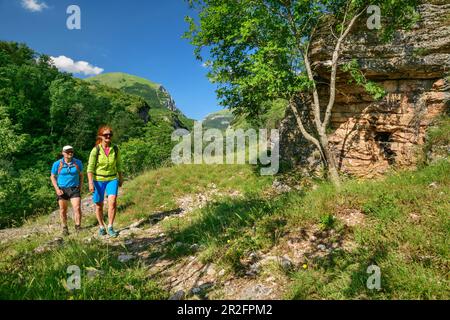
<point>116,153</point>
<point>61,166</point>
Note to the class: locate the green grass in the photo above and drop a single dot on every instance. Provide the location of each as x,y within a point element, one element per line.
<point>130,84</point>
<point>439,134</point>
<point>413,255</point>
<point>44,276</point>
<point>158,190</point>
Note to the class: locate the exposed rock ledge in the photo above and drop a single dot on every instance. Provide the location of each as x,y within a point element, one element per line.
<point>370,136</point>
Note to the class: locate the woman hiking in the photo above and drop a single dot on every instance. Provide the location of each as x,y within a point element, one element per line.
<point>105,175</point>
<point>67,179</point>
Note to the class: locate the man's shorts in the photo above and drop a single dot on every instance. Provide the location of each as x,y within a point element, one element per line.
<point>111,188</point>
<point>69,193</point>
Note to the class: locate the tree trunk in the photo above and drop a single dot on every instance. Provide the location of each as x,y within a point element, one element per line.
<point>321,143</point>
<point>330,160</point>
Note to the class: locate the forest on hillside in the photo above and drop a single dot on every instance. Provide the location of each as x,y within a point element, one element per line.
<point>43,109</point>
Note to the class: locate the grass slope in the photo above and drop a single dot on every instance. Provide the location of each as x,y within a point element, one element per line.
<point>144,88</point>
<point>412,253</point>
<point>131,84</point>
<point>404,230</point>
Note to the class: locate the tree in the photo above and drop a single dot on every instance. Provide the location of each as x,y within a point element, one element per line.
<point>259,50</point>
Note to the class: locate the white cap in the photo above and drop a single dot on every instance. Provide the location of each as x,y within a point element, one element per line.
<point>67,148</point>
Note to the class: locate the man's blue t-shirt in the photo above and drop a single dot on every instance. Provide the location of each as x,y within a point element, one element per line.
<point>69,176</point>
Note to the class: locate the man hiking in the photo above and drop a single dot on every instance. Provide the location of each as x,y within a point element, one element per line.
<point>67,179</point>
<point>105,175</point>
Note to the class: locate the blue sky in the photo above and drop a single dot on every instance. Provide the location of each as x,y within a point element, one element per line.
<point>140,37</point>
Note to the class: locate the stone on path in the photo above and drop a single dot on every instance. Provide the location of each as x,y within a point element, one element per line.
<point>125,257</point>
<point>179,295</point>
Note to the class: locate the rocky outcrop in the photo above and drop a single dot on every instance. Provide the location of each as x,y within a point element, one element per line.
<point>368,136</point>
<point>167,99</point>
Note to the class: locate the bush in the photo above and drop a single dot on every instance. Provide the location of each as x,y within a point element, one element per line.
<point>23,194</point>
<point>139,155</point>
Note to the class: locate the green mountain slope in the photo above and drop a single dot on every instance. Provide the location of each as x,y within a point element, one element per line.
<point>274,113</point>
<point>218,120</point>
<point>162,105</point>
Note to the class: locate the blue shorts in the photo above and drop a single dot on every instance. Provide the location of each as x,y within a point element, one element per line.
<point>111,188</point>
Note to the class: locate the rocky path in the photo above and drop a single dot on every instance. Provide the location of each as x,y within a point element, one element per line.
<point>49,226</point>
<point>188,277</point>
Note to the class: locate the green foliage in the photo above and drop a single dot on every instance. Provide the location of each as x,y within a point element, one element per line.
<point>327,221</point>
<point>273,113</point>
<point>10,142</point>
<point>23,193</point>
<point>139,155</point>
<point>412,254</point>
<point>42,109</point>
<point>371,87</point>
<point>439,134</point>
<point>153,94</point>
<point>132,85</point>
<point>256,49</point>
<point>44,276</point>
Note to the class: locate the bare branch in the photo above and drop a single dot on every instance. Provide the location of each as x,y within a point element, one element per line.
<point>345,16</point>
<point>334,66</point>
<point>332,33</point>
<point>307,136</point>
<point>316,103</point>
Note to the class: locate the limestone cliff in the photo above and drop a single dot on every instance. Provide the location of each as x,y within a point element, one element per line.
<point>368,136</point>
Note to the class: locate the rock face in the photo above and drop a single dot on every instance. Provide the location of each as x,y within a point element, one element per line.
<point>368,136</point>
<point>167,99</point>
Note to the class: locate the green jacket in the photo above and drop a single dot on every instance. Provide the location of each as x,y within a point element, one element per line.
<point>107,166</point>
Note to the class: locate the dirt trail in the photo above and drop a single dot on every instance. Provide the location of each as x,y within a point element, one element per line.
<point>188,277</point>
<point>49,225</point>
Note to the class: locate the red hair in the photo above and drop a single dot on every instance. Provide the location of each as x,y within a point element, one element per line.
<point>100,132</point>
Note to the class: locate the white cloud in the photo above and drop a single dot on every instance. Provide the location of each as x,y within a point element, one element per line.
<point>34,5</point>
<point>66,64</point>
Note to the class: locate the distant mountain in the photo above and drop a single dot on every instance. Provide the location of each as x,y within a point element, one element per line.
<point>158,98</point>
<point>273,113</point>
<point>218,120</point>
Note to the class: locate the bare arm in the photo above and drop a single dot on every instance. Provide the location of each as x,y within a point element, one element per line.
<point>91,181</point>
<point>55,185</point>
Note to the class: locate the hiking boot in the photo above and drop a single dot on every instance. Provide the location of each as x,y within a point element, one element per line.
<point>77,228</point>
<point>65,231</point>
<point>112,233</point>
<point>102,231</point>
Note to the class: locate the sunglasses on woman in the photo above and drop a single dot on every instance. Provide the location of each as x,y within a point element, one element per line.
<point>108,135</point>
